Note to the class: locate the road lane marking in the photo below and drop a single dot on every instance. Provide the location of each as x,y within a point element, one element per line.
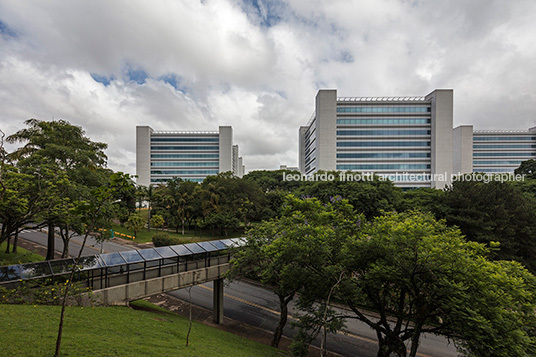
<point>293,318</point>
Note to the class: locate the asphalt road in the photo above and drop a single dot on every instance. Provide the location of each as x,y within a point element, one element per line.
<point>92,247</point>
<point>257,306</point>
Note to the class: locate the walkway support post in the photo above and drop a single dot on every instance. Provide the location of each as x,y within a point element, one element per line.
<point>217,306</point>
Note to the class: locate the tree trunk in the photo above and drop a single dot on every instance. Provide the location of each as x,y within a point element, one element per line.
<point>189,315</point>
<point>65,252</point>
<point>65,238</point>
<point>7,244</point>
<point>183,226</point>
<point>50,242</point>
<point>2,233</point>
<point>282,321</point>
<point>415,341</point>
<point>65,293</point>
<point>149,216</point>
<point>15,242</point>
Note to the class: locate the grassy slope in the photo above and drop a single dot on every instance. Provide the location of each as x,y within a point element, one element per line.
<point>22,256</point>
<point>29,330</point>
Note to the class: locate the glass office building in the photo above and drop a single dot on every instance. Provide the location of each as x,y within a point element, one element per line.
<point>190,155</point>
<point>405,139</point>
<point>492,151</point>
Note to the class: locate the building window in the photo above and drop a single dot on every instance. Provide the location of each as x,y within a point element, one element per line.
<point>385,121</point>
<point>156,148</point>
<point>167,164</point>
<point>184,139</point>
<point>504,146</point>
<point>383,155</point>
<point>383,132</point>
<point>384,167</point>
<point>504,138</point>
<point>382,143</point>
<point>385,109</point>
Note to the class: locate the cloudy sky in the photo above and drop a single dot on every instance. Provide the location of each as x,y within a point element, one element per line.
<point>257,64</point>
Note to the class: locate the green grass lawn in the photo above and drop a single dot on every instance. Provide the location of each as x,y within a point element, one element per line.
<point>189,235</point>
<point>22,256</point>
<point>29,330</point>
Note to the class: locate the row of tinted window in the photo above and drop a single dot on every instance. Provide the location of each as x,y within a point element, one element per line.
<point>494,170</point>
<point>184,139</point>
<point>184,172</point>
<point>504,146</point>
<point>381,143</point>
<point>383,155</point>
<point>497,162</point>
<point>215,147</point>
<point>384,167</point>
<point>503,138</point>
<point>494,154</point>
<point>185,156</point>
<point>386,109</point>
<point>385,121</point>
<point>163,164</point>
<point>384,132</point>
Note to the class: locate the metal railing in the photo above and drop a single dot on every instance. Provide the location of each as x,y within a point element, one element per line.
<point>112,269</point>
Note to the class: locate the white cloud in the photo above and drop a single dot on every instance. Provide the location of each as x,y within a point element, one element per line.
<point>257,65</point>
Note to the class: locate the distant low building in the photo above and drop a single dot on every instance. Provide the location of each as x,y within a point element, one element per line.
<point>190,155</point>
<point>290,168</point>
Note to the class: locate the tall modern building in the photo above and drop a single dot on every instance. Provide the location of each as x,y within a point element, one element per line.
<point>492,151</point>
<point>406,139</point>
<point>190,155</point>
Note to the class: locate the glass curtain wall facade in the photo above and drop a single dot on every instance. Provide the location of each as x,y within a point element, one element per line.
<point>190,155</point>
<point>502,151</point>
<point>493,151</point>
<point>405,139</point>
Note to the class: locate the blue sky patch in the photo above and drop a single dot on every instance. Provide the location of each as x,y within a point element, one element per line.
<point>102,79</point>
<point>268,12</point>
<point>6,30</point>
<point>174,81</point>
<point>136,75</point>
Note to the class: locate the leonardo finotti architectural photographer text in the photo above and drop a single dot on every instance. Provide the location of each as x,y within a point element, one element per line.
<point>403,177</point>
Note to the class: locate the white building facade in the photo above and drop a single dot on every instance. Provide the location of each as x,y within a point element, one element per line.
<point>190,155</point>
<point>405,139</point>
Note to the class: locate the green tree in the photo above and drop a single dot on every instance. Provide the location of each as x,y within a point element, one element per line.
<point>370,197</point>
<point>64,149</point>
<point>175,201</point>
<point>225,200</point>
<point>157,221</point>
<point>3,155</point>
<point>95,212</point>
<point>27,195</point>
<point>270,180</point>
<point>527,168</point>
<point>421,276</point>
<point>495,212</point>
<point>279,251</point>
<point>424,199</point>
<point>135,223</point>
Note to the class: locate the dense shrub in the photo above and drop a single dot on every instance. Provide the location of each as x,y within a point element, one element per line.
<point>161,239</point>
